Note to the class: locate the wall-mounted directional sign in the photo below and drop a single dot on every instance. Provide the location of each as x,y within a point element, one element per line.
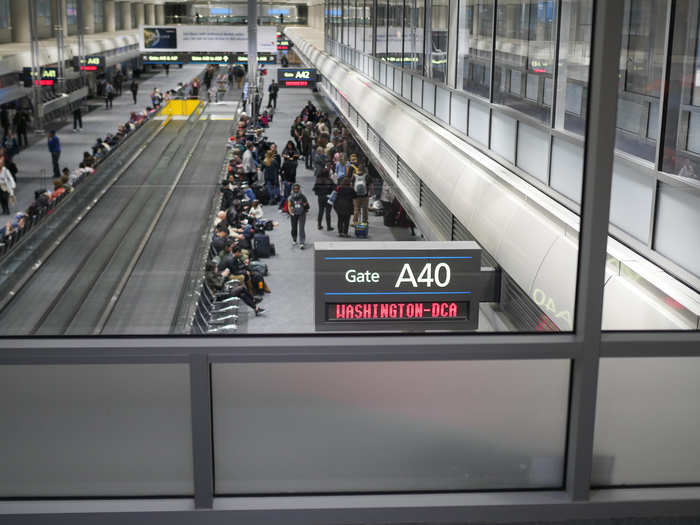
<point>263,58</point>
<point>400,286</point>
<point>164,58</point>
<point>282,44</point>
<point>89,63</point>
<point>211,58</point>
<point>296,77</point>
<point>47,76</point>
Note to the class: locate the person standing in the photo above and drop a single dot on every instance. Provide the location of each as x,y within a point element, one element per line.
<point>307,145</point>
<point>20,122</point>
<point>289,170</point>
<point>4,121</point>
<point>118,80</point>
<point>109,95</point>
<point>55,150</point>
<point>167,69</point>
<point>7,187</point>
<point>344,206</point>
<point>134,90</point>
<point>323,187</point>
<point>298,206</point>
<point>271,172</point>
<point>239,73</point>
<point>77,118</point>
<point>272,91</point>
<point>361,201</point>
<point>250,169</point>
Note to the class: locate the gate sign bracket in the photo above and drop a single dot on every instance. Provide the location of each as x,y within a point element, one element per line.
<point>400,286</point>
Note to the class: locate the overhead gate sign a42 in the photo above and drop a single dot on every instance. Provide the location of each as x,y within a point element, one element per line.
<point>297,77</point>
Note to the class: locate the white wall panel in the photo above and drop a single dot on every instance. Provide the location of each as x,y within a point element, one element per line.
<point>503,135</point>
<point>533,151</point>
<point>567,168</point>
<point>630,200</point>
<point>678,226</point>
<point>479,122</point>
<point>442,104</point>
<point>458,113</point>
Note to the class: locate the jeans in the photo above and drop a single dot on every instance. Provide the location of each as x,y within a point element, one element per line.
<point>361,205</point>
<point>324,207</point>
<point>77,120</point>
<point>287,188</point>
<point>134,94</point>
<point>55,155</point>
<point>308,160</point>
<point>272,101</point>
<point>4,201</point>
<point>273,190</point>
<point>343,223</point>
<point>298,223</point>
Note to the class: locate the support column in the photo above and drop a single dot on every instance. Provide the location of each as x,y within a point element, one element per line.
<point>88,9</point>
<point>160,14</point>
<point>139,14</point>
<point>126,15</point>
<point>252,54</point>
<point>110,20</point>
<point>150,15</point>
<point>19,13</point>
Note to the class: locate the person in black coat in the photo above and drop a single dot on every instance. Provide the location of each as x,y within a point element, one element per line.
<point>323,187</point>
<point>289,170</point>
<point>344,205</point>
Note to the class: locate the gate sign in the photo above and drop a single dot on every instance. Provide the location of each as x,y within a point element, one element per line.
<point>399,286</point>
<point>89,63</point>
<point>296,77</point>
<point>47,76</point>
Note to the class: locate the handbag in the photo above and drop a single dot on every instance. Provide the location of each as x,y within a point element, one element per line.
<point>12,200</point>
<point>332,196</point>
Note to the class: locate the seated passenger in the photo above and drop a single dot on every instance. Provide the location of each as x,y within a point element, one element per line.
<point>256,210</point>
<point>218,282</point>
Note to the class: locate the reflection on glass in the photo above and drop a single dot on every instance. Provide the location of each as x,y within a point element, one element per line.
<point>524,48</point>
<point>381,36</point>
<point>574,58</point>
<point>395,35</point>
<point>439,27</point>
<point>414,24</point>
<point>641,63</point>
<point>368,27</point>
<point>681,154</point>
<point>474,40</point>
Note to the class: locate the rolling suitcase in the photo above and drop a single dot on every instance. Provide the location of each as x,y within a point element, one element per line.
<point>261,245</point>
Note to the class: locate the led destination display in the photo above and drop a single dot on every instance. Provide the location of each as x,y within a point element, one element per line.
<point>436,310</point>
<point>296,77</point>
<point>400,285</point>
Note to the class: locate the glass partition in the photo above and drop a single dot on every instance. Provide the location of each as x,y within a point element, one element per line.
<point>395,34</point>
<point>474,46</point>
<point>438,41</point>
<point>382,28</point>
<point>95,431</point>
<point>402,426</point>
<point>647,429</point>
<point>414,33</point>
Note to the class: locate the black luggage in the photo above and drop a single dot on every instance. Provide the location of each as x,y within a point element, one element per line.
<point>262,194</point>
<point>258,267</point>
<point>261,245</point>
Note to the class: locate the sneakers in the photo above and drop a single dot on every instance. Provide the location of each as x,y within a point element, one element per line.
<point>294,243</point>
<point>330,228</point>
<point>301,246</point>
<point>320,226</point>
<point>259,310</point>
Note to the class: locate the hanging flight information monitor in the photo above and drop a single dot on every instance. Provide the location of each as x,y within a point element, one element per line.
<point>408,286</point>
<point>296,77</point>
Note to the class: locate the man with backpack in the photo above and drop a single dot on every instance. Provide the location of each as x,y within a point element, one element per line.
<point>361,202</point>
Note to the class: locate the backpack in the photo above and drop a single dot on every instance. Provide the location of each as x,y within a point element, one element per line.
<point>361,185</point>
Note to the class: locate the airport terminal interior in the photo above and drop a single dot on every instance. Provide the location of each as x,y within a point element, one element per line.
<point>350,262</point>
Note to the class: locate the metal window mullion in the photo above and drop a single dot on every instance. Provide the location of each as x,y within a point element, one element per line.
<point>555,71</point>
<point>494,19</point>
<point>202,434</point>
<point>595,208</point>
<point>665,82</point>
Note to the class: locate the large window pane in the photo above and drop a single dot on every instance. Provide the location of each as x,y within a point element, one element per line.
<point>439,26</point>
<point>524,46</point>
<point>475,39</point>
<point>414,26</point>
<point>643,36</point>
<point>395,35</point>
<point>647,428</point>
<point>574,58</point>
<point>95,430</point>
<point>382,20</point>
<point>402,426</point>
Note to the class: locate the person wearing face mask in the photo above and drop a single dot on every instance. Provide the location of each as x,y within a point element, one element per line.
<point>298,206</point>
